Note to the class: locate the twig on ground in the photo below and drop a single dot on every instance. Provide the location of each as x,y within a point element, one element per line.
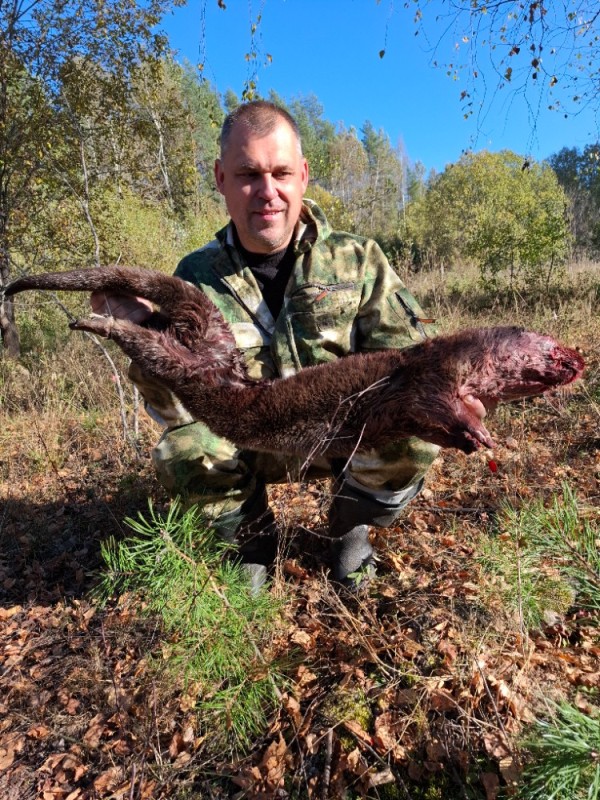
<point>327,767</point>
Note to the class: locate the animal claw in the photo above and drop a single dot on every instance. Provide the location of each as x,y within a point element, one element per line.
<point>95,323</point>
<point>485,439</point>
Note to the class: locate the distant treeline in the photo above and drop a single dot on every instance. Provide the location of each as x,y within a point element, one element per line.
<point>107,155</point>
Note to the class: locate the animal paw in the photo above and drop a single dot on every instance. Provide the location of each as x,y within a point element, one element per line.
<point>96,323</point>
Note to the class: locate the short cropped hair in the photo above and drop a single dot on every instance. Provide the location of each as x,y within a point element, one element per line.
<point>260,117</point>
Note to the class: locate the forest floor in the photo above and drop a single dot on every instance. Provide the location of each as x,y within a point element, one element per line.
<point>419,688</point>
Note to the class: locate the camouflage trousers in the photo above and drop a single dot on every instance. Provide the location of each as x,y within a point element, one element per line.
<point>209,471</point>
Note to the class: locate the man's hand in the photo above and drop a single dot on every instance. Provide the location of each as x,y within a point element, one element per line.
<point>475,405</point>
<point>121,306</point>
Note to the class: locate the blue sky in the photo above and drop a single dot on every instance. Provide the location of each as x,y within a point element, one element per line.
<point>330,48</point>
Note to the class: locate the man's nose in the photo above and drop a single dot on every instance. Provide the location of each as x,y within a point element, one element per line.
<point>267,188</point>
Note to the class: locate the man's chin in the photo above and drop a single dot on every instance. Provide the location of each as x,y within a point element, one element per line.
<point>271,240</point>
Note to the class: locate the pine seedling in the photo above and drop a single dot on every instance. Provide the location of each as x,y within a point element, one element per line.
<point>216,629</point>
<point>562,533</point>
<point>525,585</point>
<point>544,560</point>
<point>565,755</point>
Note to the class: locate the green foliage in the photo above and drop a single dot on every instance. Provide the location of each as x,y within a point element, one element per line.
<point>135,231</point>
<point>26,135</point>
<point>544,560</point>
<point>385,186</point>
<point>334,209</point>
<point>130,230</point>
<point>200,228</point>
<point>349,170</point>
<point>566,536</point>
<point>415,181</point>
<point>43,325</point>
<point>343,704</point>
<point>67,73</point>
<point>565,754</point>
<point>317,135</point>
<point>578,172</point>
<point>127,228</point>
<point>174,567</point>
<point>206,116</point>
<point>176,120</point>
<point>369,177</point>
<point>495,210</point>
<point>79,59</point>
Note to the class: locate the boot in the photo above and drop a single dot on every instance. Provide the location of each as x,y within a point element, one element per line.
<point>351,513</point>
<point>252,528</point>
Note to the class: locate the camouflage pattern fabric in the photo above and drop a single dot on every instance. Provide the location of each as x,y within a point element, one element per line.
<point>342,297</point>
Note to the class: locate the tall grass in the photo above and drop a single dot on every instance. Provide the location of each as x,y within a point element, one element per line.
<point>458,299</point>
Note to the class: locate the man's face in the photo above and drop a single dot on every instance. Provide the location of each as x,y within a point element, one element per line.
<point>263,180</point>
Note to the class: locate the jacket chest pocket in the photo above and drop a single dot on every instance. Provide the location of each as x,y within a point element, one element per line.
<point>317,309</point>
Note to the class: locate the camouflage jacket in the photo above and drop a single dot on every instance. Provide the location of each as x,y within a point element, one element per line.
<point>342,297</point>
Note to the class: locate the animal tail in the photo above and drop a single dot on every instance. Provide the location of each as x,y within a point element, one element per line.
<point>166,291</point>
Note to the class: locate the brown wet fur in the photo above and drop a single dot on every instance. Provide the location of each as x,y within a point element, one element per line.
<point>361,402</point>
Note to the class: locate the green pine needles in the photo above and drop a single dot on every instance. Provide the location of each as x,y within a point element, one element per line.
<point>545,560</point>
<point>566,757</point>
<point>218,632</point>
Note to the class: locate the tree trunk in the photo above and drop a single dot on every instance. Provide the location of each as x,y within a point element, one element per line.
<point>8,330</point>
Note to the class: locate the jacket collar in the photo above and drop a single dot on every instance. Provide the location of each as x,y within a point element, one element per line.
<point>312,227</point>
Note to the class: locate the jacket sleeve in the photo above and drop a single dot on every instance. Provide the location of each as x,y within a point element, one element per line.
<point>160,403</point>
<point>389,316</point>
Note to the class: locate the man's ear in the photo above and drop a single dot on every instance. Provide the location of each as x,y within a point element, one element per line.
<point>305,172</point>
<point>219,175</point>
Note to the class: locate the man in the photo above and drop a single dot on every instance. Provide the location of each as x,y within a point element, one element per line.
<point>296,294</point>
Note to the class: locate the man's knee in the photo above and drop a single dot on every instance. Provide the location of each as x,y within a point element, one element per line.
<point>395,468</point>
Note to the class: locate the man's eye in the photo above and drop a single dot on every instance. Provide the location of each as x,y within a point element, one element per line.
<point>283,173</point>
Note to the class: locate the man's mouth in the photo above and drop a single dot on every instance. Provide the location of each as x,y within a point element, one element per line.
<point>268,213</point>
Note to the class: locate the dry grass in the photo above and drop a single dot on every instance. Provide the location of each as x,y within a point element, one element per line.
<point>569,310</point>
